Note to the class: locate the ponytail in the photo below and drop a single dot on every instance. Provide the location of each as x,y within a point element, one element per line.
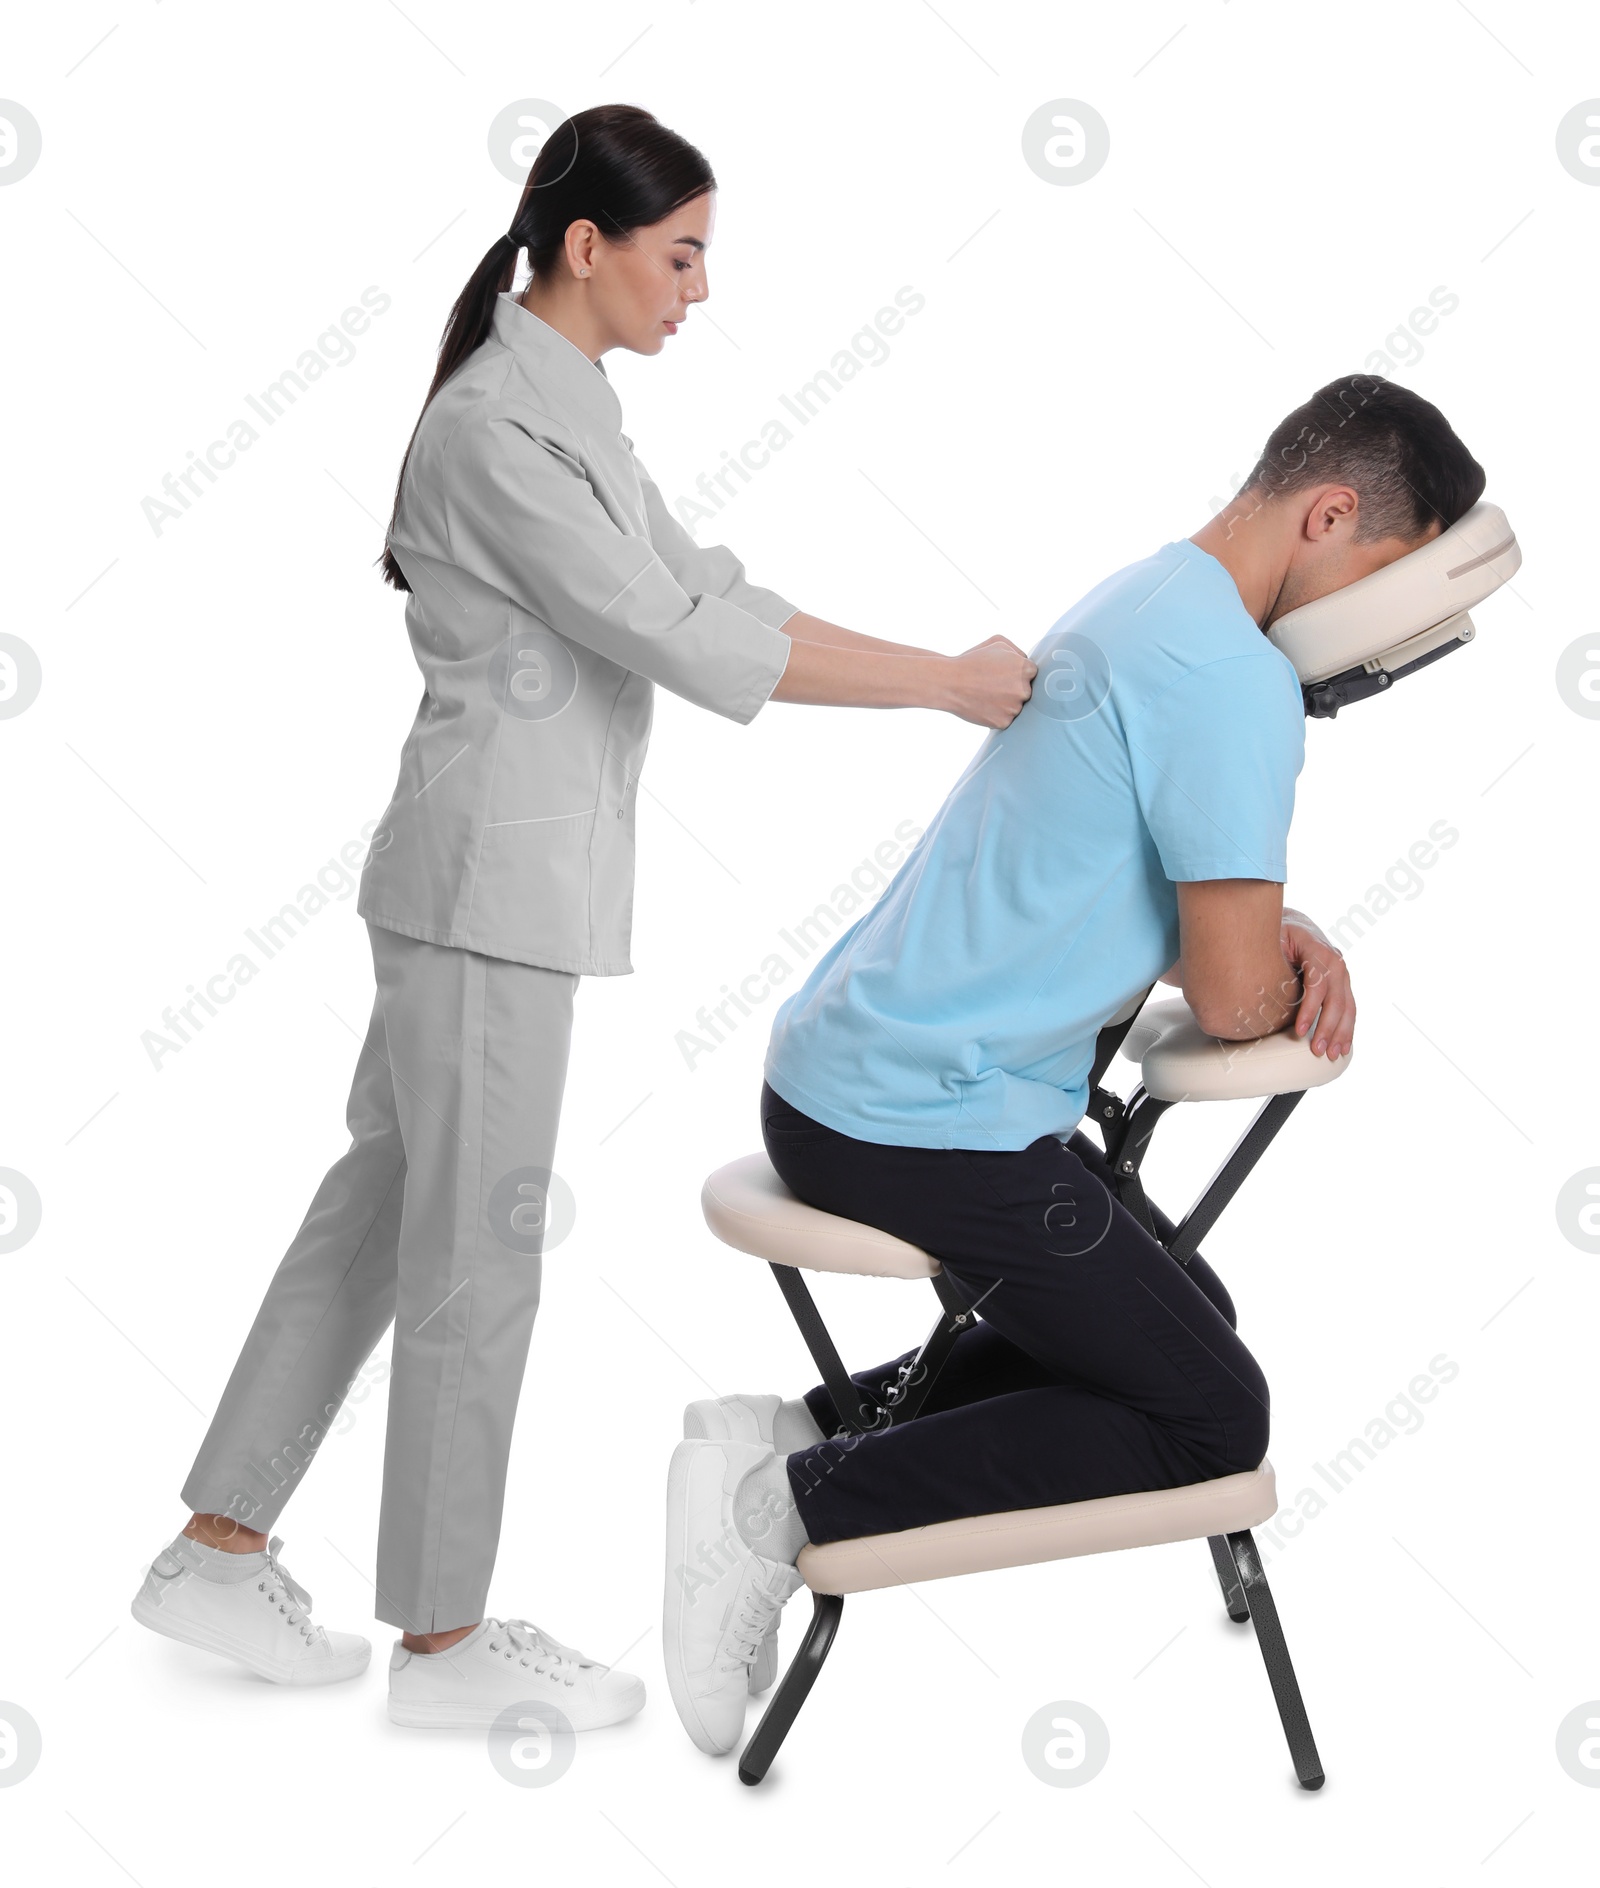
<point>615,165</point>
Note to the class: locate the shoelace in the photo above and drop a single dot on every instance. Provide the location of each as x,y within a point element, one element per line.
<point>549,1657</point>
<point>742,1640</point>
<point>297,1611</point>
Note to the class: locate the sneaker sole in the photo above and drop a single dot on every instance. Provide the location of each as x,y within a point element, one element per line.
<point>678,1505</point>
<point>423,1715</point>
<point>329,1671</point>
<point>708,1420</point>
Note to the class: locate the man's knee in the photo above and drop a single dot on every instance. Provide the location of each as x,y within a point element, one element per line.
<point>1247,1431</point>
<point>1213,1287</point>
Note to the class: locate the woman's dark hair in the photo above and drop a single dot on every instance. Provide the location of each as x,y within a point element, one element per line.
<point>616,165</point>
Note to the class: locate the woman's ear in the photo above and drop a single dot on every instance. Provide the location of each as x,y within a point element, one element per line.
<point>582,241</point>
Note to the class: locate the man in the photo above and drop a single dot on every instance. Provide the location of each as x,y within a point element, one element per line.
<point>929,1076</point>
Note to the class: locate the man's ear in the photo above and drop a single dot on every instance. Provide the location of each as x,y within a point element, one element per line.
<point>1331,513</point>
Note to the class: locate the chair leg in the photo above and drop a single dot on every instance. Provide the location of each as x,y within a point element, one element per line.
<point>784,1705</point>
<point>1275,1655</point>
<point>1228,1575</point>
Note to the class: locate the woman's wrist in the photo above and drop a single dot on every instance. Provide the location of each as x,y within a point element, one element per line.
<point>915,678</point>
<point>938,682</point>
<point>918,678</point>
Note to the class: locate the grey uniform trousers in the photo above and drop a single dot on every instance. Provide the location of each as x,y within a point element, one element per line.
<point>433,1219</point>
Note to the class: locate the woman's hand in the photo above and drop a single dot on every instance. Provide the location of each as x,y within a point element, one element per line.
<point>989,683</point>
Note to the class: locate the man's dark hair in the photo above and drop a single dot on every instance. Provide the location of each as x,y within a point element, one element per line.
<point>1396,450</point>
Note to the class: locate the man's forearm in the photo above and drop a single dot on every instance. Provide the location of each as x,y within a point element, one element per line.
<point>1174,976</point>
<point>1240,977</point>
<point>1271,1008</point>
<point>1273,1002</point>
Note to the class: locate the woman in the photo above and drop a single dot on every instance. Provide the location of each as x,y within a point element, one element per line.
<point>549,590</point>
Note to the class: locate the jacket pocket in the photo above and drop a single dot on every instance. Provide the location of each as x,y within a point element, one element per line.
<point>532,887</point>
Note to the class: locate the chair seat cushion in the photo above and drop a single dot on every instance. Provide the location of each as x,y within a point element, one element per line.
<point>1180,1062</point>
<point>1028,1535</point>
<point>748,1207</point>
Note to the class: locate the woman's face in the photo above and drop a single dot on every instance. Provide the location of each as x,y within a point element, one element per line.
<point>641,285</point>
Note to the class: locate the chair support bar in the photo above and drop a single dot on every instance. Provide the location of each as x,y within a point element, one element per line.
<point>830,1365</point>
<point>902,1400</point>
<point>1110,1040</point>
<point>784,1707</point>
<point>1228,1579</point>
<point>1275,1656</point>
<point>1127,1141</point>
<point>1231,1175</point>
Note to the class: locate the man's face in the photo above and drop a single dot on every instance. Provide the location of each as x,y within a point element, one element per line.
<point>1327,556</point>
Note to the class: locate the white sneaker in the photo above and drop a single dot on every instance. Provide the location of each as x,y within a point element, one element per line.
<point>501,1663</point>
<point>246,1607</point>
<point>733,1418</point>
<point>721,1596</point>
<point>741,1419</point>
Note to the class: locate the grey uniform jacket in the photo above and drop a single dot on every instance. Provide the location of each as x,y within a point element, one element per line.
<point>550,590</point>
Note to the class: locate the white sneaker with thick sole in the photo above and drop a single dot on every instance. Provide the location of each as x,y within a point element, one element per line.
<point>721,1596</point>
<point>501,1663</point>
<point>246,1607</point>
<point>741,1419</point>
<point>733,1418</point>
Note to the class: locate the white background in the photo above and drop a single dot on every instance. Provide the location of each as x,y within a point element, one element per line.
<point>222,709</point>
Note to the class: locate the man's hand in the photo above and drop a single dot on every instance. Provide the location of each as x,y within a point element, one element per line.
<point>1327,1000</point>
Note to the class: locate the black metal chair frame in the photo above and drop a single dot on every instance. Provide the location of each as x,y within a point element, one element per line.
<point>1126,1129</point>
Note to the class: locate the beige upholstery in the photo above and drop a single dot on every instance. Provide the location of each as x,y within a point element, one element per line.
<point>1180,1062</point>
<point>1027,1535</point>
<point>1408,607</point>
<point>748,1207</point>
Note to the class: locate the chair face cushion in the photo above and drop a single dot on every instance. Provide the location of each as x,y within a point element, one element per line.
<point>749,1208</point>
<point>1178,1061</point>
<point>1026,1536</point>
<point>1372,616</point>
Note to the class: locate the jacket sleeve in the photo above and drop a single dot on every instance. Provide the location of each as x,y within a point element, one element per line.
<point>521,515</point>
<point>705,569</point>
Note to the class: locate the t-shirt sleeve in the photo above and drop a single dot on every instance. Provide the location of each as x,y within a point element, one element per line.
<point>1215,757</point>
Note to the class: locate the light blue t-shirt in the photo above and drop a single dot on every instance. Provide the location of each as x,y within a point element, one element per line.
<point>1161,743</point>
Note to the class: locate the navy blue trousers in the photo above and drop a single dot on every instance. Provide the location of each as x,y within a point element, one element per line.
<point>1099,1365</point>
